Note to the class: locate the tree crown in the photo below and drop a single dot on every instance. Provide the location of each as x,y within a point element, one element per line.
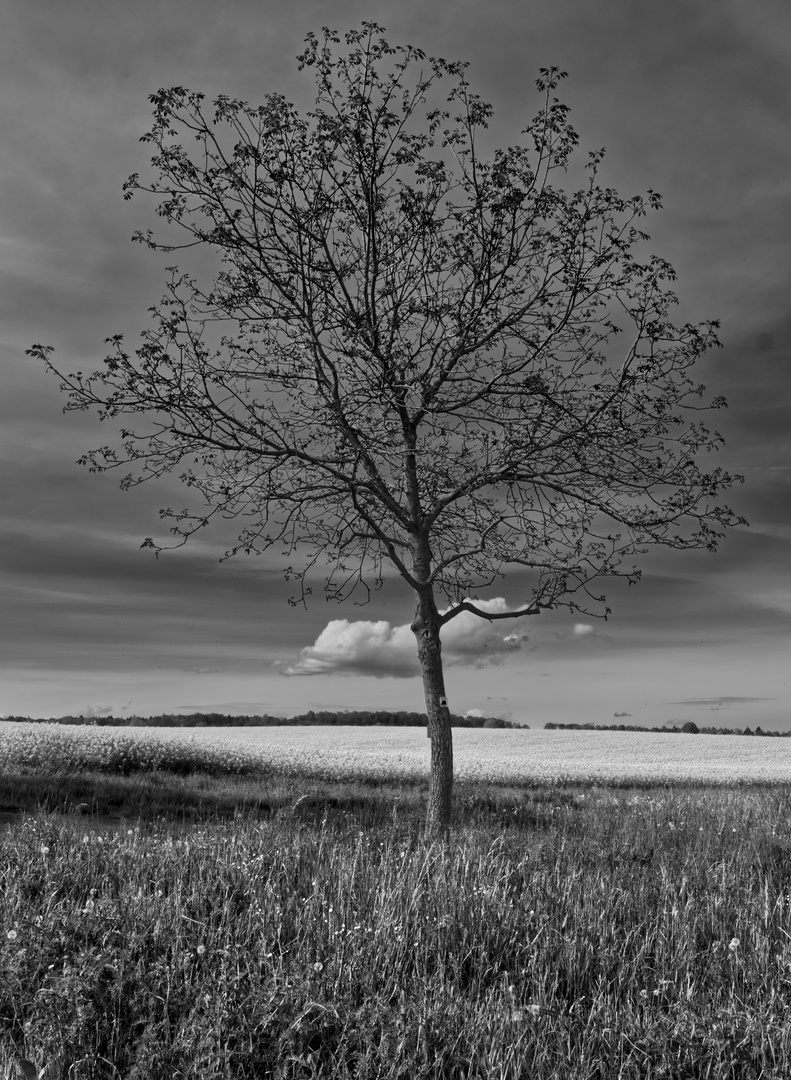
<point>411,353</point>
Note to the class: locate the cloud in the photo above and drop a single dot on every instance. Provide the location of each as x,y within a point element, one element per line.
<point>582,629</point>
<point>379,649</point>
<point>721,701</point>
<point>359,648</point>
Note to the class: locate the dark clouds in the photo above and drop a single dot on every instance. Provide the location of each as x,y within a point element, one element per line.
<point>690,99</point>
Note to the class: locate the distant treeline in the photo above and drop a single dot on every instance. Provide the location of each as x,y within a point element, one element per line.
<point>359,718</point>
<point>689,728</point>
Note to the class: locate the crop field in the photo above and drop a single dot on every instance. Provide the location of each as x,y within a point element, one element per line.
<point>402,754</point>
<point>585,920</point>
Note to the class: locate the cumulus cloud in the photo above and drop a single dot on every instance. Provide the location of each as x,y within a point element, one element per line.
<point>359,648</point>
<point>582,629</point>
<point>379,649</point>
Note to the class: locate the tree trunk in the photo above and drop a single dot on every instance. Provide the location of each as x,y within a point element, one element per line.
<point>429,650</point>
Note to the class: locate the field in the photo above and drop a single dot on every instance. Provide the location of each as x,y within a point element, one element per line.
<point>401,754</point>
<point>263,922</point>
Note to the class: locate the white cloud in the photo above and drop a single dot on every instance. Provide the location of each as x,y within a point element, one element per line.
<point>581,629</point>
<point>360,648</point>
<point>379,649</point>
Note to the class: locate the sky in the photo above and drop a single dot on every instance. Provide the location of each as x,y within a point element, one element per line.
<point>690,98</point>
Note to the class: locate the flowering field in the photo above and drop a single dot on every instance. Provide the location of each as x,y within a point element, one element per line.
<point>350,752</point>
<point>58,748</point>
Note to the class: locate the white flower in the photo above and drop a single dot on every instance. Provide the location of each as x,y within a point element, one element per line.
<point>733,944</point>
<point>533,1009</point>
<point>12,935</point>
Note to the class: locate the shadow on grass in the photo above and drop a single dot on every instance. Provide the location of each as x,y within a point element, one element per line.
<point>103,800</point>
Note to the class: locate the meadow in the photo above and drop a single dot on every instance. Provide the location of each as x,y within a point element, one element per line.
<point>266,922</point>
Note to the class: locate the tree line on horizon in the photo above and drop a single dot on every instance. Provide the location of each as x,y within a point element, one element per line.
<point>359,718</point>
<point>688,728</point>
<point>368,718</point>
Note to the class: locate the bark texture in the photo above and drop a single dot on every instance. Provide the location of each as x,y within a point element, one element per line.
<point>425,627</point>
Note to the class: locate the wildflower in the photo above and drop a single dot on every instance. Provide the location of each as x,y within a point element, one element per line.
<point>201,949</point>
<point>533,1009</point>
<point>318,966</point>
<point>12,935</point>
<point>89,906</point>
<point>733,944</point>
<point>44,850</point>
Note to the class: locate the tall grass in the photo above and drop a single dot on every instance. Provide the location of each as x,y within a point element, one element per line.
<point>601,934</point>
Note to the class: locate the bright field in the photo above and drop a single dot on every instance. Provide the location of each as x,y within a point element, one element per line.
<point>336,753</point>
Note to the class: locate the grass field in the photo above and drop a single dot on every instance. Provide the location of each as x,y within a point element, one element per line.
<point>566,930</point>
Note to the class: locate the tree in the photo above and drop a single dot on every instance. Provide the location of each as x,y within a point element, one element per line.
<point>412,355</point>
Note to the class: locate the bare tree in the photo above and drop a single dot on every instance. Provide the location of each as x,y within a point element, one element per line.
<point>411,355</point>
